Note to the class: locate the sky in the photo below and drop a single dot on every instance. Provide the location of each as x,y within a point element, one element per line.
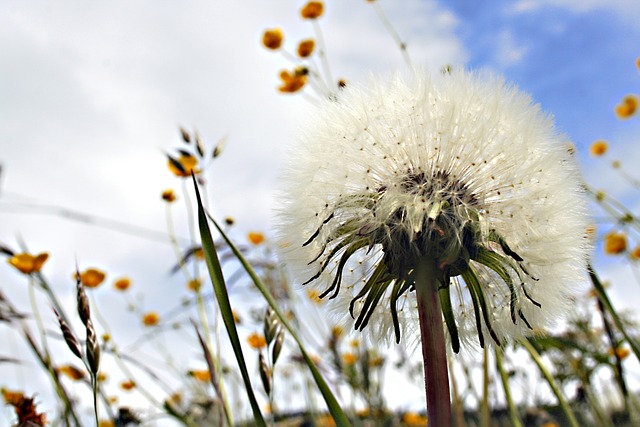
<point>92,95</point>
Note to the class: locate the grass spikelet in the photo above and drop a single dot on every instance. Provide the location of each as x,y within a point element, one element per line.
<point>69,336</point>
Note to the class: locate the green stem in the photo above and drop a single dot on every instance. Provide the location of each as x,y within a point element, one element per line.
<point>513,410</point>
<point>485,414</point>
<point>434,351</point>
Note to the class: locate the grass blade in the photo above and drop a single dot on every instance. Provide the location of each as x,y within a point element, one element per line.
<point>220,289</point>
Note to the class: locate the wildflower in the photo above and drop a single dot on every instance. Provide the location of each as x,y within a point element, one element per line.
<point>306,47</point>
<point>24,408</point>
<point>314,296</point>
<point>183,165</point>
<point>272,38</point>
<point>72,372</point>
<point>106,423</point>
<point>102,377</point>
<point>255,237</point>
<point>151,319</point>
<point>11,397</point>
<point>256,341</point>
<point>627,107</point>
<point>615,243</point>
<point>92,277</point>
<point>414,419</point>
<point>292,83</point>
<point>457,170</point>
<point>169,196</point>
<point>635,253</point>
<point>621,352</point>
<point>194,285</point>
<point>200,375</point>
<point>312,10</point>
<point>598,148</point>
<point>27,263</point>
<point>106,337</point>
<point>128,385</point>
<point>349,359</point>
<point>122,284</point>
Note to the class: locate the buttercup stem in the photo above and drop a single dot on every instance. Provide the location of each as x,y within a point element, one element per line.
<point>434,353</point>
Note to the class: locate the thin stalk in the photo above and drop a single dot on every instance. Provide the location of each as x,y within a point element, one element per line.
<point>485,413</point>
<point>513,410</point>
<point>552,384</point>
<point>434,351</point>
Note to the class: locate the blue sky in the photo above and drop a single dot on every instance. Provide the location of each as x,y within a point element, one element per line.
<point>92,94</point>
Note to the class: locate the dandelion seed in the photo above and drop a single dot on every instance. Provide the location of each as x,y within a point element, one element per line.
<point>460,168</point>
<point>27,263</point>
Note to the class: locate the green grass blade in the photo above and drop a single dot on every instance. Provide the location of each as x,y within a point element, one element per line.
<point>332,404</point>
<point>220,289</point>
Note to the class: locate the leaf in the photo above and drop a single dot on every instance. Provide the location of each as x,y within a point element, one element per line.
<point>222,297</point>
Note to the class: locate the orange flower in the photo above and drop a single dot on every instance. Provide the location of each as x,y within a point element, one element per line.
<point>312,10</point>
<point>622,352</point>
<point>151,319</point>
<point>92,277</point>
<point>106,337</point>
<point>128,385</point>
<point>102,377</point>
<point>200,375</point>
<point>627,107</point>
<point>194,285</point>
<point>292,83</point>
<point>306,47</point>
<point>615,243</point>
<point>272,38</point>
<point>168,196</point>
<point>25,409</point>
<point>256,341</point>
<point>11,397</point>
<point>414,419</point>
<point>71,372</point>
<point>314,296</point>
<point>187,164</point>
<point>349,359</point>
<point>27,263</point>
<point>255,237</point>
<point>598,148</point>
<point>635,253</point>
<point>122,284</point>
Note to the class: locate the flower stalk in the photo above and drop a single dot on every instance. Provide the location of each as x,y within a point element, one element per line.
<point>434,351</point>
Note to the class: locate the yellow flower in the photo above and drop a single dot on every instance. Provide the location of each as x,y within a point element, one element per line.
<point>122,284</point>
<point>151,319</point>
<point>272,38</point>
<point>635,253</point>
<point>598,148</point>
<point>128,385</point>
<point>168,195</point>
<point>102,377</point>
<point>27,263</point>
<point>627,107</point>
<point>71,372</point>
<point>256,341</point>
<point>188,164</point>
<point>92,277</point>
<point>312,10</point>
<point>349,359</point>
<point>255,237</point>
<point>106,337</point>
<point>292,83</point>
<point>200,375</point>
<point>314,296</point>
<point>194,285</point>
<point>106,423</point>
<point>414,419</point>
<point>306,47</point>
<point>615,243</point>
<point>622,352</point>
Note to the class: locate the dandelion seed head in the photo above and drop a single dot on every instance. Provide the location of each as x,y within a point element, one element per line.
<point>461,167</point>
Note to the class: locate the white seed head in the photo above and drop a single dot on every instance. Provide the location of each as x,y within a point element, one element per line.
<point>459,166</point>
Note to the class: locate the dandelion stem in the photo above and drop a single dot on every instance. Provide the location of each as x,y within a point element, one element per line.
<point>434,354</point>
